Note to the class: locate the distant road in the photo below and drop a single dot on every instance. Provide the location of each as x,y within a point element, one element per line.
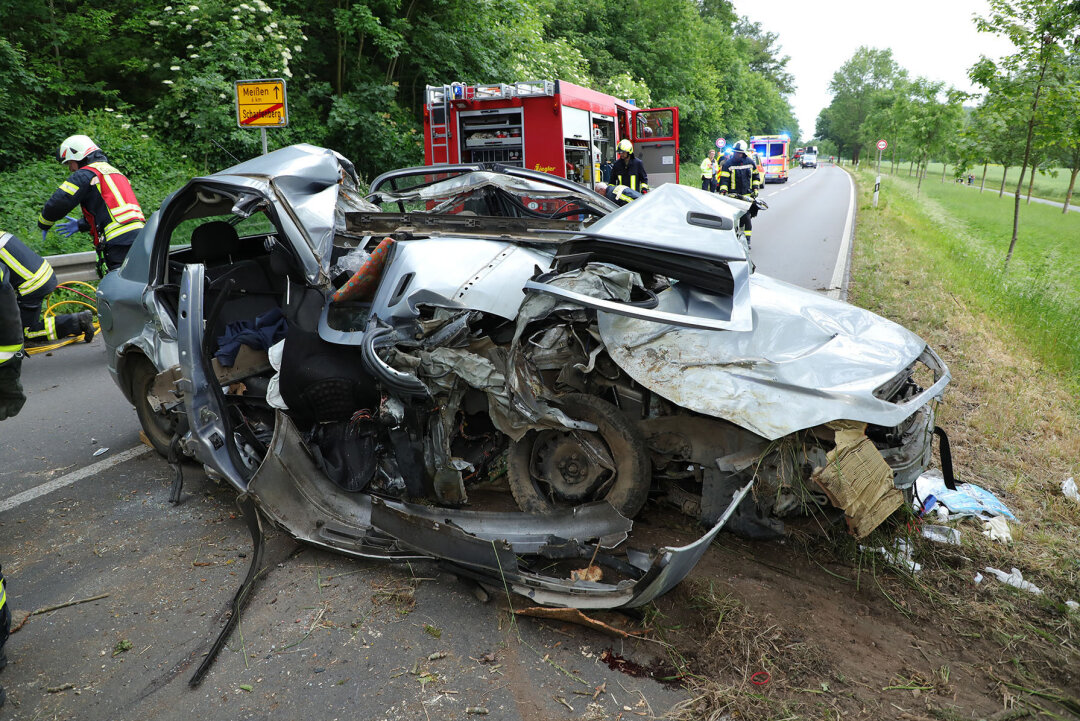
<point>804,236</point>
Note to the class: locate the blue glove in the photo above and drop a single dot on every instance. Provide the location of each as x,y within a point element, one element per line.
<point>44,235</point>
<point>68,227</point>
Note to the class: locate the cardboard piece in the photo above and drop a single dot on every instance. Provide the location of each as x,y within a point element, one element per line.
<point>858,480</point>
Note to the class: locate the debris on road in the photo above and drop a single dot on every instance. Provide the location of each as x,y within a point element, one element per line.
<point>1068,489</point>
<point>967,500</point>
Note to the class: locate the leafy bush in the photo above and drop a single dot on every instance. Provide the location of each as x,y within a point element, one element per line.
<point>152,167</point>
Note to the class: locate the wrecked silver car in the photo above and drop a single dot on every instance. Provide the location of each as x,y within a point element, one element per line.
<point>498,368</point>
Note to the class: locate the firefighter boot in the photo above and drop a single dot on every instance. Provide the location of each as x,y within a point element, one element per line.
<point>86,325</point>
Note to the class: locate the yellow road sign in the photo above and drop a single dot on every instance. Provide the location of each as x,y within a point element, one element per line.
<point>261,103</point>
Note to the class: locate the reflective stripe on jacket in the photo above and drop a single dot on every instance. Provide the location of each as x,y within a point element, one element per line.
<point>125,215</point>
<point>35,271</point>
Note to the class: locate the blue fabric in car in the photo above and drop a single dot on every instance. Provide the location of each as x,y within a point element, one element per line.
<point>261,333</point>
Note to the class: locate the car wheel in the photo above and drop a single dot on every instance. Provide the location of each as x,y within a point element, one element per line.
<point>158,425</point>
<point>549,469</point>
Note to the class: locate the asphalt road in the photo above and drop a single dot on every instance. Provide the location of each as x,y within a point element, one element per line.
<point>800,238</point>
<point>322,636</point>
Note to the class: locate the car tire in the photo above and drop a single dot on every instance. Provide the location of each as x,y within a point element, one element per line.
<point>633,471</point>
<point>158,427</point>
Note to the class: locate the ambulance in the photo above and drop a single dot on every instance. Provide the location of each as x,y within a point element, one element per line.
<point>772,151</point>
<point>552,126</point>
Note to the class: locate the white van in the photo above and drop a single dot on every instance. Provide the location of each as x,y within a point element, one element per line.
<point>809,157</point>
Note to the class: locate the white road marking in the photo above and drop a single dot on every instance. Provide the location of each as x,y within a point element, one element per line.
<point>840,271</point>
<point>66,480</point>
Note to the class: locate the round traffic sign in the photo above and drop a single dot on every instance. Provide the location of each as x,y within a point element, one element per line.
<point>720,142</point>
<point>881,144</point>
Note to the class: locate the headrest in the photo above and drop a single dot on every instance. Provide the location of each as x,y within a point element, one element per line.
<point>216,240</point>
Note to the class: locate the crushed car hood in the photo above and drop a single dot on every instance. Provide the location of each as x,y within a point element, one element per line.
<point>810,360</point>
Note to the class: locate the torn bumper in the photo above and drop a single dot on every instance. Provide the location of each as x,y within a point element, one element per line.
<point>500,547</point>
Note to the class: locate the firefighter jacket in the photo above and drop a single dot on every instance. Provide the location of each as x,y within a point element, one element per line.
<point>708,167</point>
<point>110,210</point>
<point>27,272</point>
<point>11,332</point>
<point>620,194</point>
<point>739,176</point>
<point>630,171</point>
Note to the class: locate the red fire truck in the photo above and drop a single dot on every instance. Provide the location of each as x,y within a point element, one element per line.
<point>553,126</point>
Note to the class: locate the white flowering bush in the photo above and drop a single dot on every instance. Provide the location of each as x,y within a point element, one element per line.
<point>235,41</point>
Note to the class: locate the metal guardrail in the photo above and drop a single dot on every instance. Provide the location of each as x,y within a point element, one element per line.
<point>74,266</point>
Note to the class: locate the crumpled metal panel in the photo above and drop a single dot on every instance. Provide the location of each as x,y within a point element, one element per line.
<point>306,178</point>
<point>292,491</point>
<point>663,569</point>
<point>809,360</point>
<point>660,219</point>
<point>470,182</point>
<point>483,275</point>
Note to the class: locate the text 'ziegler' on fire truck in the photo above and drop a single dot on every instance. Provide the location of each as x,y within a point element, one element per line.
<point>553,126</point>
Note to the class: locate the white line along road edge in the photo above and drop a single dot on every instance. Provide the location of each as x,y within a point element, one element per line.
<point>66,480</point>
<point>836,285</point>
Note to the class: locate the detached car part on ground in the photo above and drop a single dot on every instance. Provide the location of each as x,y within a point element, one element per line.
<point>508,329</point>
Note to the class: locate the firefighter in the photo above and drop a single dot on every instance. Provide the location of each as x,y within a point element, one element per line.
<point>618,194</point>
<point>12,399</point>
<point>708,172</point>
<point>628,170</point>
<point>111,212</point>
<point>11,344</point>
<point>33,280</point>
<point>740,177</point>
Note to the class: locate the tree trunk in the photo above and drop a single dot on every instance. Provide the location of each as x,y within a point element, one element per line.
<point>944,167</point>
<point>1004,172</point>
<point>919,172</point>
<point>910,164</point>
<point>1072,184</point>
<point>1027,147</point>
<point>983,183</point>
<point>1031,184</point>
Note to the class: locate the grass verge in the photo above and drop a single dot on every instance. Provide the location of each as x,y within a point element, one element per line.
<point>1011,414</point>
<point>1051,185</point>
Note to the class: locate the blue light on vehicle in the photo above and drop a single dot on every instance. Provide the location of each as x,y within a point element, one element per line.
<point>785,136</point>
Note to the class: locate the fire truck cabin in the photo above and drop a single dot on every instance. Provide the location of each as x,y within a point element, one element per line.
<point>552,126</point>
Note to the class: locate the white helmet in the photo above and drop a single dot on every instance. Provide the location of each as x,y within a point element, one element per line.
<point>76,147</point>
<point>739,147</point>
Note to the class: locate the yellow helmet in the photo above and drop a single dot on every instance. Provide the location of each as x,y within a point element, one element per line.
<point>625,146</point>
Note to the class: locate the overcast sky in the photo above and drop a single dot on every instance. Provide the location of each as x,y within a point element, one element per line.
<point>935,39</point>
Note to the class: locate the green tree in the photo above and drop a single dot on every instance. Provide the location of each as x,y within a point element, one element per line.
<point>1040,30</point>
<point>855,86</point>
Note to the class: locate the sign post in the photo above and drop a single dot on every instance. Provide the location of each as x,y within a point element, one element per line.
<point>720,143</point>
<point>261,104</point>
<point>881,145</point>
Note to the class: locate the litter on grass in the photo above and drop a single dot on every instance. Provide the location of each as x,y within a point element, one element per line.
<point>997,529</point>
<point>942,534</point>
<point>899,556</point>
<point>1068,488</point>
<point>967,500</point>
<point>1014,579</point>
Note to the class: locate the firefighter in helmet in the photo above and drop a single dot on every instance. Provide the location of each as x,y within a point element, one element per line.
<point>111,212</point>
<point>628,170</point>
<point>739,176</point>
<point>618,194</point>
<point>33,280</point>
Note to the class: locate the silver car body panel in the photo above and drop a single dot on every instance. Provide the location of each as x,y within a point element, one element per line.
<point>208,440</point>
<point>663,219</point>
<point>810,360</point>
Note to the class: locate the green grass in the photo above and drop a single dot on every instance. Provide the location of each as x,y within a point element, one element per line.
<point>1039,294</point>
<point>1051,185</point>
